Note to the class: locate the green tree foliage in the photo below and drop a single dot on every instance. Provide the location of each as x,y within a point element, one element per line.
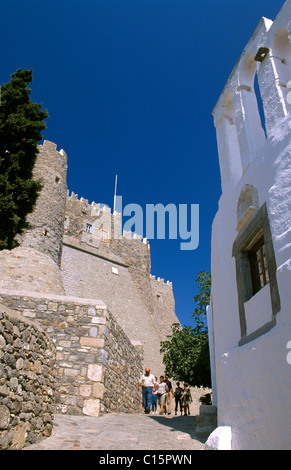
<point>186,352</point>
<point>21,123</point>
<point>202,299</point>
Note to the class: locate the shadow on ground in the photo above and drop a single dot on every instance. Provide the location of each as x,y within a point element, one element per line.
<point>186,424</point>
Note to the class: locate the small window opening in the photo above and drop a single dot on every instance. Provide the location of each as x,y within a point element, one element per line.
<point>103,235</point>
<point>159,298</point>
<point>258,265</point>
<point>88,228</point>
<point>260,102</point>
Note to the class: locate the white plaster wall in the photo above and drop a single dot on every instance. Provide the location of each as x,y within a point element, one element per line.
<point>256,317</point>
<point>255,402</point>
<point>253,381</point>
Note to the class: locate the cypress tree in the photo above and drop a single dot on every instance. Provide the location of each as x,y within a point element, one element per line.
<point>21,123</point>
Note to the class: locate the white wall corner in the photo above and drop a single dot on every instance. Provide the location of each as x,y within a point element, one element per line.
<point>219,439</point>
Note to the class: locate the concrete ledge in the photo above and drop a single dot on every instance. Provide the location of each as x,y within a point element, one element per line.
<point>208,410</point>
<point>206,422</point>
<point>62,298</point>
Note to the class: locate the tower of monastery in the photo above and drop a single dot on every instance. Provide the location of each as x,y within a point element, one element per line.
<point>34,266</point>
<point>72,249</point>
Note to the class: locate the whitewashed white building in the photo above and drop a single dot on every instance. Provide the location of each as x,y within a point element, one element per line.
<point>250,313</point>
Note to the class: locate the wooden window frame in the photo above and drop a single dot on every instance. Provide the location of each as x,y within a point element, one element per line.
<point>257,228</point>
<point>258,265</point>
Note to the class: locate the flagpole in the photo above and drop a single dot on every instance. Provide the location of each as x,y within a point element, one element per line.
<point>114,203</point>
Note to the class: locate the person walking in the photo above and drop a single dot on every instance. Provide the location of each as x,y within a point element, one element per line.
<point>147,382</point>
<point>178,398</point>
<point>155,396</point>
<point>162,391</point>
<point>187,399</point>
<point>170,394</point>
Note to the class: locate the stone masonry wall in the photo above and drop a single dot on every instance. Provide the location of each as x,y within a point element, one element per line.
<point>88,275</point>
<point>163,306</point>
<point>47,219</point>
<point>34,265</point>
<point>97,367</point>
<point>122,372</point>
<point>130,250</point>
<point>27,358</point>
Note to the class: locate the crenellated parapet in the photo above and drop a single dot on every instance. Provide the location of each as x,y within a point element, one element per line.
<point>95,222</point>
<point>159,280</point>
<point>79,248</point>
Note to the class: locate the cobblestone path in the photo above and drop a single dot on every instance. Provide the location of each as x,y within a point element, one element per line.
<point>122,432</point>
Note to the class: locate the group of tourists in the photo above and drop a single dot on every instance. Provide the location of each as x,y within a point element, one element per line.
<point>160,393</point>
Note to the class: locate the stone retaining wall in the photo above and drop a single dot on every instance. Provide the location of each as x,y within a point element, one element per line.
<point>27,358</point>
<point>97,367</point>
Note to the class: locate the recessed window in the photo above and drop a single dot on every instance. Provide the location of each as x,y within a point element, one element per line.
<point>258,265</point>
<point>88,228</point>
<point>255,269</point>
<point>104,235</point>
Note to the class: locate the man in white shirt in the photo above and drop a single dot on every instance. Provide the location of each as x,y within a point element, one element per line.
<point>147,382</point>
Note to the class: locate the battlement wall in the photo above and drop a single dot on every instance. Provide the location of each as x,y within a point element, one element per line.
<point>163,305</point>
<point>159,280</point>
<point>81,213</point>
<point>118,270</point>
<point>75,249</point>
<point>87,275</point>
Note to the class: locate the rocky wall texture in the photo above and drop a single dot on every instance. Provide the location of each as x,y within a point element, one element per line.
<point>88,275</point>
<point>34,265</point>
<point>47,220</point>
<point>122,371</point>
<point>97,367</point>
<point>27,358</point>
<point>118,272</point>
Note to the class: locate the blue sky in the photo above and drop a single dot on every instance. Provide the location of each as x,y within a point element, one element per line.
<point>130,86</point>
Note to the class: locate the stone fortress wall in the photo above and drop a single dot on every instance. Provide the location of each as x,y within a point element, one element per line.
<point>34,265</point>
<point>27,380</point>
<point>92,295</point>
<point>118,271</point>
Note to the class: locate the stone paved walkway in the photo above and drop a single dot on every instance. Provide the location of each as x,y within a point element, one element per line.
<point>122,432</point>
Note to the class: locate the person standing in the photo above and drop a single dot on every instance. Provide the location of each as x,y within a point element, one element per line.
<point>147,382</point>
<point>170,394</point>
<point>178,398</point>
<point>155,396</point>
<point>187,399</point>
<point>162,391</point>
